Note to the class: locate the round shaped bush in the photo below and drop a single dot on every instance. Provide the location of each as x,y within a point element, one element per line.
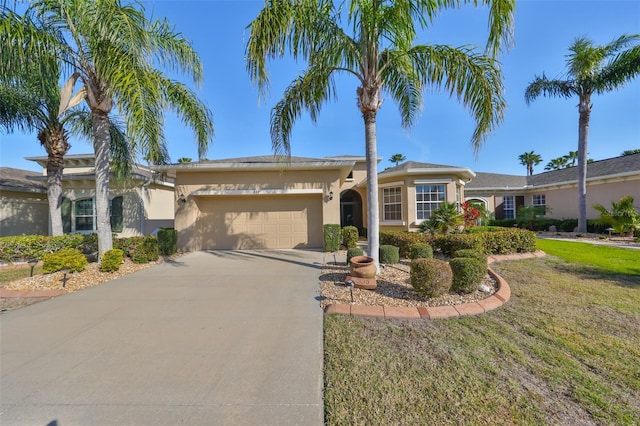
<point>353,252</point>
<point>111,260</point>
<point>431,277</point>
<point>350,236</point>
<point>70,259</point>
<point>473,254</point>
<point>389,255</point>
<point>420,251</point>
<point>468,274</point>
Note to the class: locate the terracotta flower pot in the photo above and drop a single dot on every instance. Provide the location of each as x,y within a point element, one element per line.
<point>363,267</point>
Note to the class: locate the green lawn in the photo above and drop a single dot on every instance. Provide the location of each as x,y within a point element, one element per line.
<point>15,273</point>
<point>564,350</point>
<point>613,260</point>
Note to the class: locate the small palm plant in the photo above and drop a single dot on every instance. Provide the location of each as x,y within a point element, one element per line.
<point>623,216</point>
<point>443,220</point>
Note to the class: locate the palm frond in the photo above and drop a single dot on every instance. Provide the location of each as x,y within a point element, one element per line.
<point>619,71</point>
<point>402,83</point>
<point>542,86</point>
<point>192,112</point>
<point>307,92</point>
<point>475,79</point>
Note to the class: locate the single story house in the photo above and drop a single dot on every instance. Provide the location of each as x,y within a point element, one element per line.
<point>607,180</point>
<point>260,202</point>
<point>139,205</point>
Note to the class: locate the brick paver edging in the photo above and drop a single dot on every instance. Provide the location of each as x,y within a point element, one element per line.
<point>12,294</point>
<point>494,301</point>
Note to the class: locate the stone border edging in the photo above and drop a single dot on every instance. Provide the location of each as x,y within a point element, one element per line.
<point>12,294</point>
<point>497,299</point>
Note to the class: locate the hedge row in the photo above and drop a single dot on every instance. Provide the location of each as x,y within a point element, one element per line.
<point>18,248</point>
<point>505,241</point>
<point>544,223</point>
<point>25,247</point>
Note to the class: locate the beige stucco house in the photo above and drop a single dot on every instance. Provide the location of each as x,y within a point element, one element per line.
<point>607,180</point>
<point>259,202</point>
<point>139,205</point>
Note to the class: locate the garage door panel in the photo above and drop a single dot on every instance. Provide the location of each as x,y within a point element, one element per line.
<point>261,222</point>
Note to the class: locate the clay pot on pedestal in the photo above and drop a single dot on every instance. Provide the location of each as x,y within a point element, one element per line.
<point>363,267</point>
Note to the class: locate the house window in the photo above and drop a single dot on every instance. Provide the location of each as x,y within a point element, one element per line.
<point>350,175</point>
<point>428,199</point>
<point>509,207</point>
<point>392,204</point>
<point>538,201</point>
<point>84,214</point>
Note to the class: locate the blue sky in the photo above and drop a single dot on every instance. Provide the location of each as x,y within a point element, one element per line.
<point>543,31</point>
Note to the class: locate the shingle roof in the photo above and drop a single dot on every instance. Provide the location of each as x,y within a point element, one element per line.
<point>416,165</point>
<point>608,167</point>
<point>21,180</point>
<point>496,180</point>
<point>601,168</point>
<point>263,159</point>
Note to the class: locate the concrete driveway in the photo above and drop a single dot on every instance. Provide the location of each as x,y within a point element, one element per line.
<point>213,338</point>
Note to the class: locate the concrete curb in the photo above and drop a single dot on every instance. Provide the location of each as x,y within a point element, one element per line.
<point>499,298</point>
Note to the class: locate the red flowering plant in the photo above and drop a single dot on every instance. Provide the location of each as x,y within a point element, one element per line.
<point>471,214</point>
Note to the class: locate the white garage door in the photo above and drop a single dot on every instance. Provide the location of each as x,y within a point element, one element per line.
<point>255,222</point>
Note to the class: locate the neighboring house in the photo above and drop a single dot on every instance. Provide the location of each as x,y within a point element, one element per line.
<point>23,203</point>
<point>607,180</point>
<point>138,206</point>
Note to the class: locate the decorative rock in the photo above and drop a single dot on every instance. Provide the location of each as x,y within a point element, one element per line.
<point>484,288</point>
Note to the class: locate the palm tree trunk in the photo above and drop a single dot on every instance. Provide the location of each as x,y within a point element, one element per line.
<point>54,140</point>
<point>55,166</point>
<point>101,145</point>
<point>373,220</point>
<point>583,138</point>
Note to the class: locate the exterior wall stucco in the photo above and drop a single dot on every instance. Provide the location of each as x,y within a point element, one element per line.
<point>23,213</point>
<point>187,213</point>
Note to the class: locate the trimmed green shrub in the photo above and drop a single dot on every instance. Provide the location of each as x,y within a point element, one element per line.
<point>128,245</point>
<point>401,239</point>
<point>167,241</point>
<point>147,251</point>
<point>111,260</point>
<point>14,248</point>
<point>331,237</point>
<point>450,243</point>
<point>71,259</point>
<point>472,254</point>
<point>431,277</point>
<point>468,274</point>
<point>420,251</point>
<point>350,236</point>
<point>353,252</point>
<point>389,255</point>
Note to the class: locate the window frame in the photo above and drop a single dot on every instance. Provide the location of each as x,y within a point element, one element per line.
<point>433,205</point>
<point>541,208</point>
<point>395,202</point>
<point>511,209</point>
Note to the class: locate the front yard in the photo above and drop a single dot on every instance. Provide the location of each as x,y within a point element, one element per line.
<point>564,350</point>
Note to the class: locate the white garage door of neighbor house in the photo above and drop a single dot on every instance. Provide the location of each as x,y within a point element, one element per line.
<point>256,222</point>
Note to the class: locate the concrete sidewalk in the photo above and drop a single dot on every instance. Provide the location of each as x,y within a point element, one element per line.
<point>212,338</point>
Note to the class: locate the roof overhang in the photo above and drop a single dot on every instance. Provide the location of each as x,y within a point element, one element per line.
<point>460,172</point>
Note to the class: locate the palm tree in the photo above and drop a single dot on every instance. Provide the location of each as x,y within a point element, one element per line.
<point>623,216</point>
<point>557,164</point>
<point>571,158</point>
<point>29,106</point>
<point>630,152</point>
<point>591,70</point>
<point>530,159</point>
<point>184,160</point>
<point>116,53</point>
<point>397,158</point>
<point>376,47</point>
